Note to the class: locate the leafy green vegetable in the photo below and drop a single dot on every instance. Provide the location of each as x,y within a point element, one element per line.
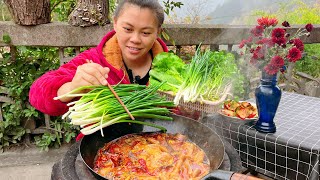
<point>169,68</point>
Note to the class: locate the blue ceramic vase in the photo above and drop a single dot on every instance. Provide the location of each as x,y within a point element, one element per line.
<point>268,95</point>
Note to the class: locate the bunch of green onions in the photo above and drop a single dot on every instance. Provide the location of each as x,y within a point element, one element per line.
<point>206,77</point>
<point>99,107</point>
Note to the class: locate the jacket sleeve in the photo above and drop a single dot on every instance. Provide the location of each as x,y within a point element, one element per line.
<point>45,88</point>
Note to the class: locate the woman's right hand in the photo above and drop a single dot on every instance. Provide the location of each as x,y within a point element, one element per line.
<point>89,73</point>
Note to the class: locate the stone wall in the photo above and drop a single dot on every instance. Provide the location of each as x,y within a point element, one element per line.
<point>59,34</point>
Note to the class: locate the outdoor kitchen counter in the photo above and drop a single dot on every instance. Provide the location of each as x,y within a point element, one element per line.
<point>290,153</point>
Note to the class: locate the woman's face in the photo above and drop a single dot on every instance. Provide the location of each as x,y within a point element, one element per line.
<point>136,30</point>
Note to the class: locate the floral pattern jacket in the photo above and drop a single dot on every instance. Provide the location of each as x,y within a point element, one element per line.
<point>107,54</point>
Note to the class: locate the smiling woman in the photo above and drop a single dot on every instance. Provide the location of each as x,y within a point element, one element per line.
<point>127,50</point>
<point>136,38</point>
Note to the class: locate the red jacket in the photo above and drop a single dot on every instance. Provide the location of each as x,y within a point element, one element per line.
<point>107,54</point>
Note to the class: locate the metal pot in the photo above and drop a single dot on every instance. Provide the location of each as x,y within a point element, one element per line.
<point>197,132</point>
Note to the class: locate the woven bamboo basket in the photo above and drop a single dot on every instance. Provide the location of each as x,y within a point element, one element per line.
<point>200,105</point>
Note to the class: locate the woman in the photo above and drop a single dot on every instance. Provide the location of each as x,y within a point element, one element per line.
<point>123,56</point>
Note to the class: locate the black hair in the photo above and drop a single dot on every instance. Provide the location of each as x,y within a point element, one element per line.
<point>153,5</point>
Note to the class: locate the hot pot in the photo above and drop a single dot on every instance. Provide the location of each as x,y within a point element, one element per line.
<point>197,132</point>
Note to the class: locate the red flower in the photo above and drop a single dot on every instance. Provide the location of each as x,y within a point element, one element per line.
<point>294,54</point>
<point>278,33</point>
<point>265,41</point>
<point>279,41</point>
<point>285,24</point>
<point>273,21</point>
<point>272,47</point>
<point>298,43</point>
<point>261,41</point>
<point>266,22</point>
<point>257,31</point>
<point>309,27</point>
<point>277,61</point>
<point>258,53</point>
<point>271,69</point>
<point>244,42</point>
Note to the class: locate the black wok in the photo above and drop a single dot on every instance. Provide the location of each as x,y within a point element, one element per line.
<point>198,133</point>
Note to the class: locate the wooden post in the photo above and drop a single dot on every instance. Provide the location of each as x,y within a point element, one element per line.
<point>230,47</point>
<point>29,12</point>
<point>214,47</point>
<point>178,50</point>
<point>90,12</point>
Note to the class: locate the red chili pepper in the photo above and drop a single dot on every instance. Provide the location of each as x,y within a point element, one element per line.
<point>101,160</point>
<point>114,158</point>
<point>128,163</point>
<point>144,167</point>
<point>135,143</point>
<point>143,164</point>
<point>137,170</point>
<point>113,148</point>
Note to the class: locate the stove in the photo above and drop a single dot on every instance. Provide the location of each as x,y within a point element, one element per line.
<point>71,166</point>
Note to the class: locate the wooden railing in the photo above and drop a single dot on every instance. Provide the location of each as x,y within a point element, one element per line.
<point>62,35</point>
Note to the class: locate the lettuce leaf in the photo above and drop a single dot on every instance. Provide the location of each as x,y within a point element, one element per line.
<point>170,68</point>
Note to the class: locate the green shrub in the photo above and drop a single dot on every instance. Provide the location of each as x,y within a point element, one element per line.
<point>17,75</point>
<point>310,63</point>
